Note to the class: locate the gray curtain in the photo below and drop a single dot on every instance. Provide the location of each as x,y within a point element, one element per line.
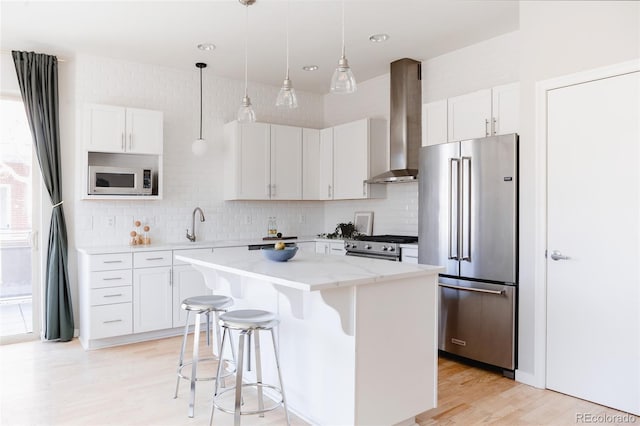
<point>38,80</point>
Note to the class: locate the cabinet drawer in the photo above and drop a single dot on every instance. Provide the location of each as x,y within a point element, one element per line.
<point>187,252</point>
<point>112,261</point>
<point>111,320</point>
<point>409,255</point>
<point>150,259</point>
<point>111,295</point>
<point>111,278</point>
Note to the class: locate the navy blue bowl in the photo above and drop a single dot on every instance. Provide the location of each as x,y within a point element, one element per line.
<point>279,255</point>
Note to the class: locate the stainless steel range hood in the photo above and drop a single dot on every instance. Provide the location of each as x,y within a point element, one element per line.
<point>405,127</point>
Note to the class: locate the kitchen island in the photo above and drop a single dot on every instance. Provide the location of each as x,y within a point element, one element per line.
<point>357,336</point>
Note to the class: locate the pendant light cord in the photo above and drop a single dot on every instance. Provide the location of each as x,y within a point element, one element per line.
<point>288,4</point>
<point>200,103</point>
<point>246,47</point>
<point>343,51</point>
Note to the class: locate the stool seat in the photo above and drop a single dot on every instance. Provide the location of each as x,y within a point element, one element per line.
<point>206,303</point>
<point>249,319</point>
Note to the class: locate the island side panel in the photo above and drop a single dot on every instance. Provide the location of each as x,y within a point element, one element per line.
<point>396,350</point>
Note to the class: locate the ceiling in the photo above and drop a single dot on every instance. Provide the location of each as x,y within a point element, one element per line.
<point>166,33</point>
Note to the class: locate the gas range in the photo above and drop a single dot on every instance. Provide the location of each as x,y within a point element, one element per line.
<point>378,246</point>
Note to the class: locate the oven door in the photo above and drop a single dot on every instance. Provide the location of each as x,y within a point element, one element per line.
<point>373,256</point>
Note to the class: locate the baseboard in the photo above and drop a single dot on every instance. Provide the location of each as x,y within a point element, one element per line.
<point>529,379</point>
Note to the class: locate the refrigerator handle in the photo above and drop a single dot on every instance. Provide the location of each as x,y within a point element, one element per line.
<point>465,216</point>
<point>454,207</point>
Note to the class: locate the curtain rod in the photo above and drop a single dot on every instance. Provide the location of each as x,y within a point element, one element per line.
<point>8,52</point>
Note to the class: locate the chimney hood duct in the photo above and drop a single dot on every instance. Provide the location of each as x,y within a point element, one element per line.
<point>405,127</point>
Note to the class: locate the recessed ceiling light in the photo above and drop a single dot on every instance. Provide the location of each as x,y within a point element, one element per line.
<point>378,38</point>
<point>310,67</point>
<point>207,46</point>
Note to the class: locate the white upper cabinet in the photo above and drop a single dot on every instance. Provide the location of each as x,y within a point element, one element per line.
<point>110,128</point>
<point>311,164</point>
<point>359,152</point>
<point>286,163</point>
<point>484,113</point>
<point>264,162</point>
<point>434,123</point>
<point>506,109</point>
<point>325,183</point>
<point>470,115</point>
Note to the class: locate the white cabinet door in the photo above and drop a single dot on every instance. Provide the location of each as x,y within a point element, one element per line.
<point>306,247</point>
<point>311,164</point>
<point>350,160</point>
<point>286,162</point>
<point>506,109</point>
<point>253,162</point>
<point>325,180</point>
<point>187,282</point>
<point>152,299</point>
<point>434,123</point>
<point>337,248</point>
<point>144,131</point>
<point>409,255</point>
<point>104,128</point>
<point>323,247</point>
<point>470,116</point>
<point>593,211</point>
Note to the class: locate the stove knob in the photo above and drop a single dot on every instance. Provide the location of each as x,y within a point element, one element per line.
<point>367,247</point>
<point>353,245</point>
<point>392,248</point>
<point>385,248</point>
<point>347,245</point>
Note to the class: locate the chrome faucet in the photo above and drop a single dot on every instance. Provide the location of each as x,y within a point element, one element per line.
<point>192,237</point>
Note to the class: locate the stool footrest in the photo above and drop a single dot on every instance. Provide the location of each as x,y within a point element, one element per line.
<point>276,404</point>
<point>202,379</point>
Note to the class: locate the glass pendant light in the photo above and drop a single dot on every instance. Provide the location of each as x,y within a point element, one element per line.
<point>246,114</point>
<point>287,96</point>
<point>343,81</point>
<point>199,146</point>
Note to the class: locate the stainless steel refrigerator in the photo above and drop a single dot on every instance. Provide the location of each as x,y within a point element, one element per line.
<point>468,223</point>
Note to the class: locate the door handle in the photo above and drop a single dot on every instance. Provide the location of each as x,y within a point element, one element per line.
<point>557,255</point>
<point>454,208</point>
<point>465,209</point>
<point>472,289</point>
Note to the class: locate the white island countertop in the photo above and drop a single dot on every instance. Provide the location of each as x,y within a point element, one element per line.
<point>309,271</point>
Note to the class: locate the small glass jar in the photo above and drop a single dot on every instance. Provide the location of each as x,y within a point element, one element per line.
<point>272,227</point>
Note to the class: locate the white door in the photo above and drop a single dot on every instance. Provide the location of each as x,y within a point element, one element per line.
<point>286,163</point>
<point>434,123</point>
<point>326,164</point>
<point>505,108</point>
<point>310,164</point>
<point>144,131</point>
<point>152,299</point>
<point>593,297</point>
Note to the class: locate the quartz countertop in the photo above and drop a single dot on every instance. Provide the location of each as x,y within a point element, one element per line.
<point>188,245</point>
<point>310,271</point>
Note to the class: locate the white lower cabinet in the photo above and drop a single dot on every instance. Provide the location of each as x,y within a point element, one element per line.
<point>110,320</point>
<point>409,254</point>
<point>330,247</point>
<point>152,299</point>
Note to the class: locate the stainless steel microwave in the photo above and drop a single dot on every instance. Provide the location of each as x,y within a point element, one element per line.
<point>105,180</point>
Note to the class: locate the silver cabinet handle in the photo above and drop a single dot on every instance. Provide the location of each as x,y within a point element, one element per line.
<point>113,295</point>
<point>112,279</point>
<point>155,258</point>
<point>454,207</point>
<point>471,289</point>
<point>486,127</point>
<point>364,189</point>
<point>112,261</point>
<point>130,141</point>
<point>122,141</point>
<point>494,126</point>
<point>110,321</point>
<point>328,191</point>
<point>557,255</point>
<point>465,210</point>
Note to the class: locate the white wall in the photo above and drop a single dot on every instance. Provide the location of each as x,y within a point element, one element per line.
<point>557,38</point>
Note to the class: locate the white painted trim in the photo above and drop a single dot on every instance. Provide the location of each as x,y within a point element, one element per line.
<point>538,378</point>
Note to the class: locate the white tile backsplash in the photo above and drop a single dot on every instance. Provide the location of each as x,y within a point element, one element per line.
<point>189,181</point>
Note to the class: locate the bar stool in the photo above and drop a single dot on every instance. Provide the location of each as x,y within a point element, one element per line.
<point>200,305</point>
<point>248,323</point>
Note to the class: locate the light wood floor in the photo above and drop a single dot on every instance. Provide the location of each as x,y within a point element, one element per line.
<point>61,384</point>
